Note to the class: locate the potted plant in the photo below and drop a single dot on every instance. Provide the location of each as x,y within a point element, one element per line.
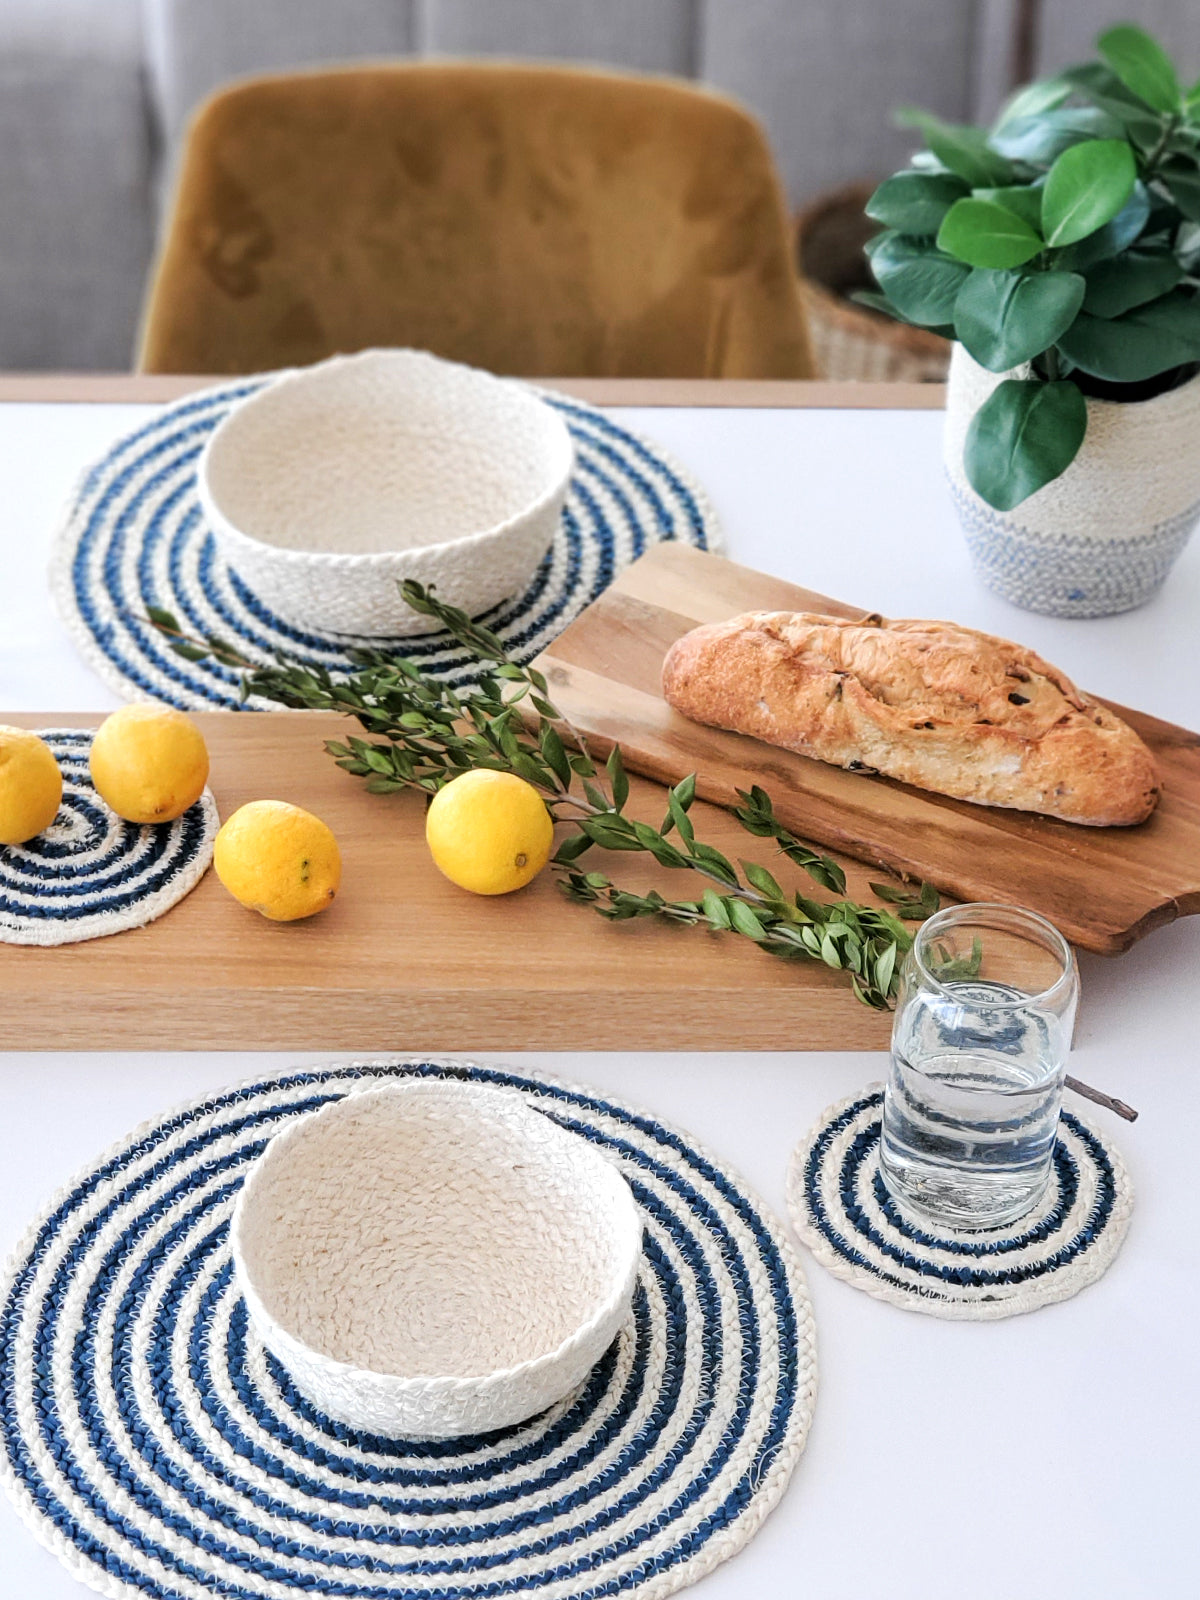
<point>1060,249</point>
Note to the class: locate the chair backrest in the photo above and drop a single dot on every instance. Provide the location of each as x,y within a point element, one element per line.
<point>533,220</point>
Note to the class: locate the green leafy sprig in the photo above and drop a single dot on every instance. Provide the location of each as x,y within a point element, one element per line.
<point>1065,238</point>
<point>423,733</point>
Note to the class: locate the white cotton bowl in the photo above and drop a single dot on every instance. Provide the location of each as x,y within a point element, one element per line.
<point>435,1258</point>
<point>332,484</point>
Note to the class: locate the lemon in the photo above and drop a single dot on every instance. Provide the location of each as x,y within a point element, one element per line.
<point>149,763</point>
<point>279,860</point>
<point>30,785</point>
<point>489,832</point>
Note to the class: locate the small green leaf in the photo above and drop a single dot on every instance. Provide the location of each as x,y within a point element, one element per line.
<point>1005,318</point>
<point>1024,435</point>
<point>1032,101</point>
<point>984,234</point>
<point>1103,88</point>
<point>744,920</point>
<point>1039,139</point>
<point>1085,188</point>
<point>762,880</point>
<point>1182,178</point>
<point>1128,280</point>
<point>616,775</point>
<point>1024,199</point>
<point>572,847</point>
<point>915,202</point>
<point>1142,65</point>
<point>715,909</point>
<point>1113,237</point>
<point>677,817</point>
<point>556,756</point>
<point>1150,339</point>
<point>962,150</point>
<point>920,281</point>
<point>189,652</point>
<point>163,619</point>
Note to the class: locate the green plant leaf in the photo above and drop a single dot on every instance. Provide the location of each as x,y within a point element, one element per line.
<point>1142,65</point>
<point>1025,434</point>
<point>963,150</point>
<point>1039,139</point>
<point>985,234</point>
<point>1113,237</point>
<point>919,280</point>
<point>1191,102</point>
<point>1128,280</point>
<point>617,778</point>
<point>1085,188</point>
<point>1032,100</point>
<point>1103,88</point>
<point>1182,178</point>
<point>875,301</point>
<point>1150,339</point>
<point>915,202</point>
<point>1004,318</point>
<point>1023,199</point>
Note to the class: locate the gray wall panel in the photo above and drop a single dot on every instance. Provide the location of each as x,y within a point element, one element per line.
<point>825,77</point>
<point>647,35</point>
<point>75,200</point>
<point>194,45</point>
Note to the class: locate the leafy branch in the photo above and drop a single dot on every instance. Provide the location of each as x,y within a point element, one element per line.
<point>424,733</point>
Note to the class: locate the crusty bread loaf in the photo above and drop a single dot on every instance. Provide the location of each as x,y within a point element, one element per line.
<point>932,704</point>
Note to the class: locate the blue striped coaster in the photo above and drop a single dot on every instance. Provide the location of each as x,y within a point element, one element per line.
<point>844,1214</point>
<point>151,1442</point>
<point>91,874</point>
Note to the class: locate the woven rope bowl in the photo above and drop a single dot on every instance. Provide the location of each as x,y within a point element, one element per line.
<point>434,1258</point>
<point>332,484</point>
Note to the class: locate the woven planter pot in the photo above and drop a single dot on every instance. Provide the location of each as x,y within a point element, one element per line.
<point>1102,537</point>
<point>850,341</point>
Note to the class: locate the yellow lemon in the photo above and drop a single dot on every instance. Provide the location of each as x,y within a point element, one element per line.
<point>149,763</point>
<point>489,832</point>
<point>278,860</point>
<point>30,785</point>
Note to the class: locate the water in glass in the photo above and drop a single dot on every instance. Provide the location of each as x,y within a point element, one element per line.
<point>973,1096</point>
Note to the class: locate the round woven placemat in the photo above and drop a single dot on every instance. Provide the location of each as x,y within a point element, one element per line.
<point>150,1442</point>
<point>842,1211</point>
<point>90,874</point>
<point>134,536</point>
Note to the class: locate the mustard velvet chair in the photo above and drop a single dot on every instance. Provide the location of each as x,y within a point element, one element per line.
<point>530,220</point>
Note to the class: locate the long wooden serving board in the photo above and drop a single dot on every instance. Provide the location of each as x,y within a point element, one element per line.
<point>1103,887</point>
<point>403,960</point>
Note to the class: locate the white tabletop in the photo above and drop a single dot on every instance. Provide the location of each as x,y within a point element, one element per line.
<point>1052,1454</point>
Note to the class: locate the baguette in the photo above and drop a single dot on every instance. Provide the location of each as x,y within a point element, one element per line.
<point>929,703</point>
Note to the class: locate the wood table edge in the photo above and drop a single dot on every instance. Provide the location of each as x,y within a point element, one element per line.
<point>141,388</point>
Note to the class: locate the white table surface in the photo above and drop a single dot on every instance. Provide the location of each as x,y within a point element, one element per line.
<point>1054,1454</point>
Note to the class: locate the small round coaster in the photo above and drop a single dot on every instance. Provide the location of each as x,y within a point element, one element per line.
<point>844,1214</point>
<point>90,874</point>
<point>134,536</point>
<point>150,1441</point>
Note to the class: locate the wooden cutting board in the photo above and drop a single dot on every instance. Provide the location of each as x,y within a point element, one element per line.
<point>403,960</point>
<point>1103,887</point>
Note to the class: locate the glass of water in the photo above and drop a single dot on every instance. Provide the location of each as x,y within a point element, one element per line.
<point>979,1050</point>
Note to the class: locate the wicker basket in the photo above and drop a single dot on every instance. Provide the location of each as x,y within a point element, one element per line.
<point>435,1258</point>
<point>849,340</point>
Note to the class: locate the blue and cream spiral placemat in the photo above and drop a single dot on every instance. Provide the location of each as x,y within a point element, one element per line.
<point>842,1211</point>
<point>134,536</point>
<point>150,1442</point>
<point>90,874</point>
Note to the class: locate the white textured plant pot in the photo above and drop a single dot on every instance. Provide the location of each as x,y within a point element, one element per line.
<point>435,1258</point>
<point>1103,536</point>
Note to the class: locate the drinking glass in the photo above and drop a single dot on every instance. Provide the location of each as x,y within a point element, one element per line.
<point>984,1016</point>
